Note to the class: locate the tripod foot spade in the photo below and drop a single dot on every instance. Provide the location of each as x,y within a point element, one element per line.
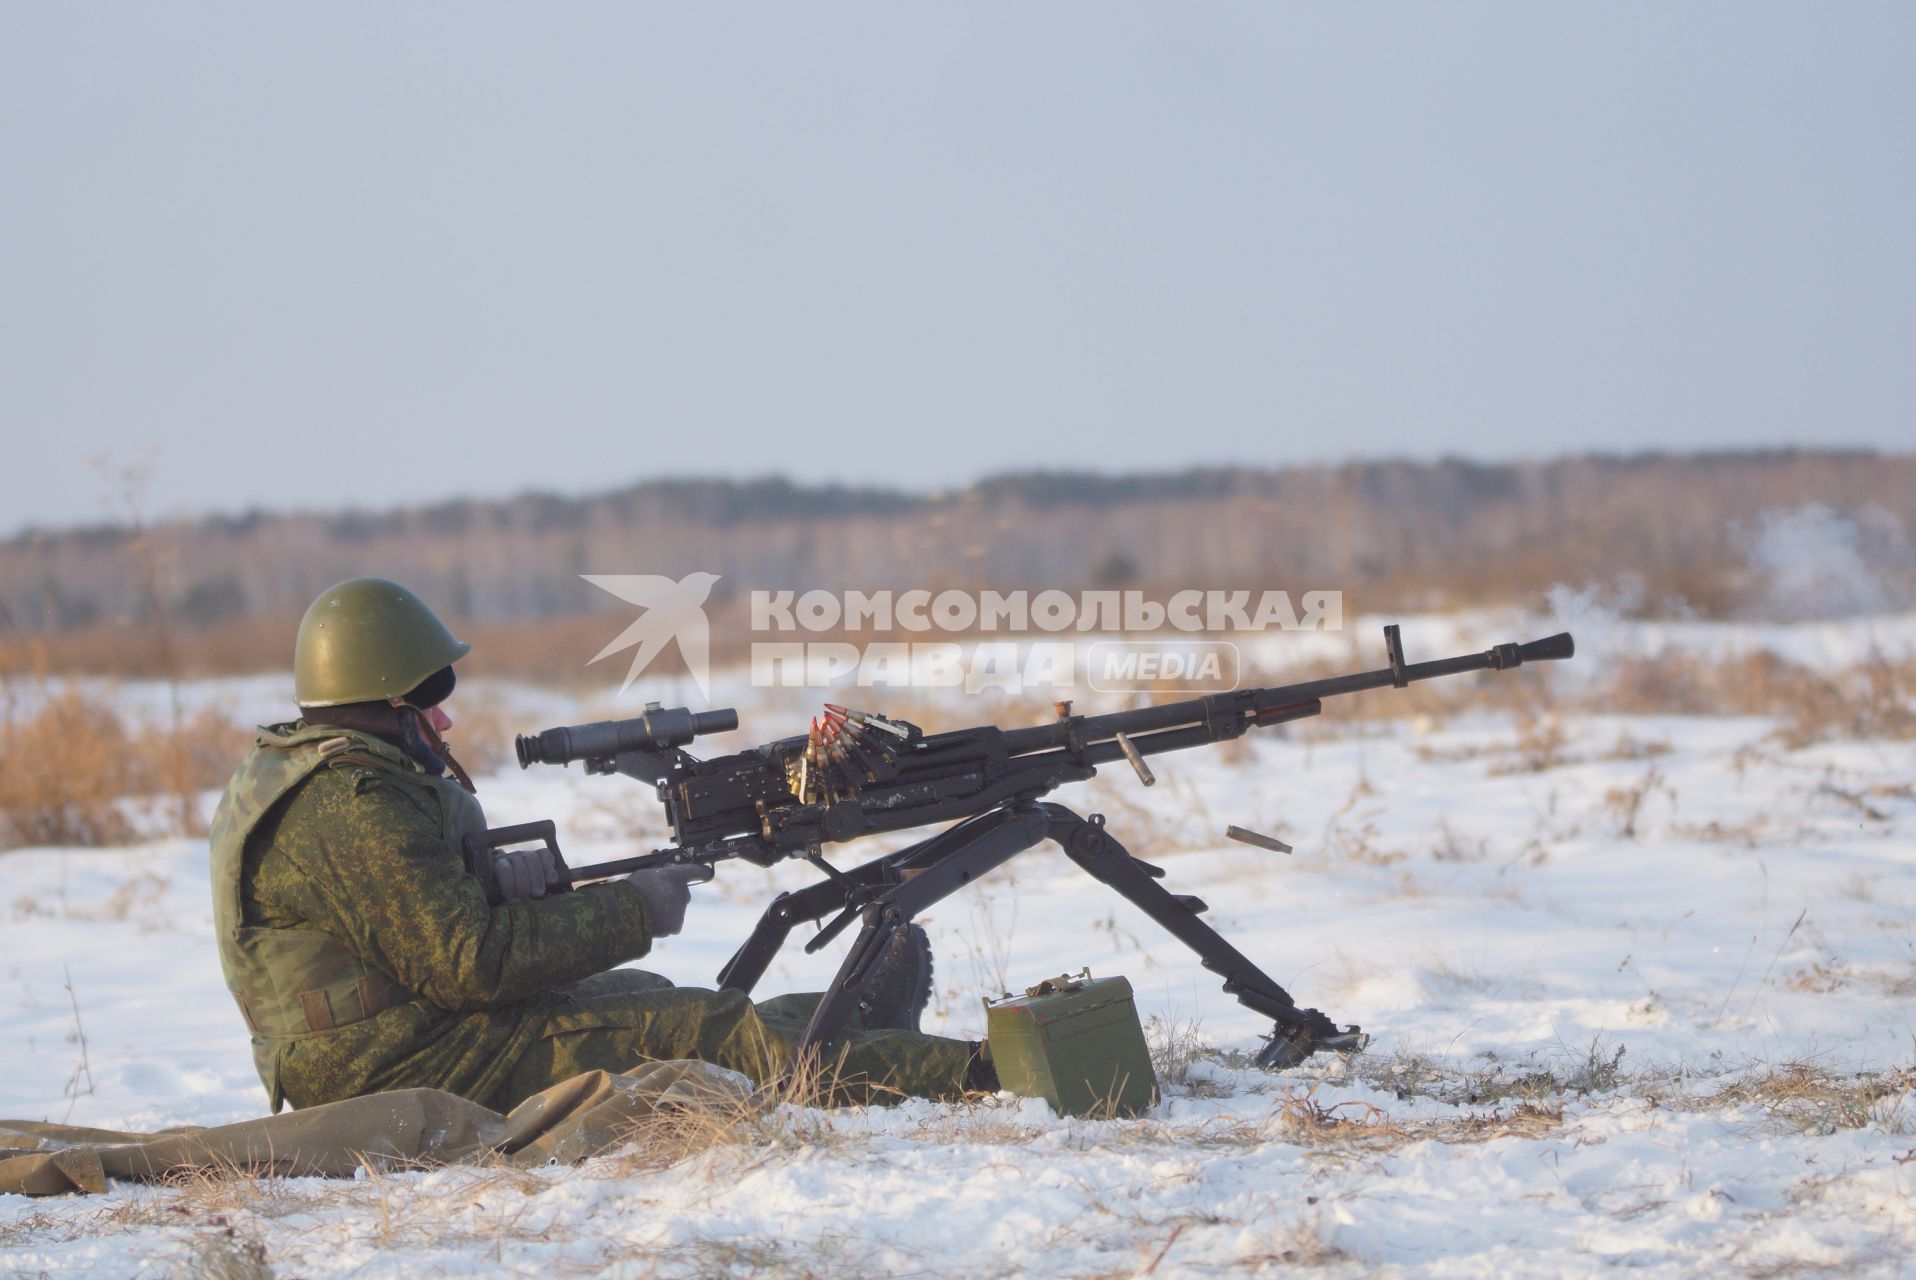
<point>1286,1047</point>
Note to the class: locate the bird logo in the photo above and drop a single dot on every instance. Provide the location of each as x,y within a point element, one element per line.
<point>674,612</point>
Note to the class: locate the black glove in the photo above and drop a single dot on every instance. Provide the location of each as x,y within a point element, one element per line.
<point>667,892</point>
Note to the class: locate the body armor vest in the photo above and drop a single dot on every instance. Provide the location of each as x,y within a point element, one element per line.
<point>295,983</point>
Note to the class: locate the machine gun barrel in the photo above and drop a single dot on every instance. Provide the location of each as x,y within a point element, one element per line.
<point>1497,658</point>
<point>1270,705</point>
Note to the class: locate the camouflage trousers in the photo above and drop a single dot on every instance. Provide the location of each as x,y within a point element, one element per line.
<point>614,1021</point>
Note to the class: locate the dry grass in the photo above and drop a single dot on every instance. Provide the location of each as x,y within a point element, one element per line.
<point>214,1206</point>
<point>1870,700</point>
<point>1453,846</point>
<point>1363,1126</point>
<point>1867,802</point>
<point>1351,834</point>
<point>1802,1096</point>
<point>66,766</point>
<point>792,1112</point>
<point>1625,804</point>
<point>1176,1046</point>
<point>62,772</point>
<point>1811,1097</point>
<point>1297,1115</point>
<point>1819,979</point>
<point>1540,743</point>
<point>1757,829</point>
<point>1489,1080</point>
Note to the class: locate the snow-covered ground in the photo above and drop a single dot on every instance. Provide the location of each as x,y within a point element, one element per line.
<point>1643,995</point>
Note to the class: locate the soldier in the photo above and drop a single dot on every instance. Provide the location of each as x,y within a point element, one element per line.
<point>365,955</point>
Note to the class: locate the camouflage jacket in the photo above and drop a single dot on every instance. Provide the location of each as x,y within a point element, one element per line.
<point>359,949</point>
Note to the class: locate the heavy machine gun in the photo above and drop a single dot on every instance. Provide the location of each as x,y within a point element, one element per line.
<point>860,774</point>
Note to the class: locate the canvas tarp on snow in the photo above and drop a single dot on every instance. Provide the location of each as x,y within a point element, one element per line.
<point>580,1117</point>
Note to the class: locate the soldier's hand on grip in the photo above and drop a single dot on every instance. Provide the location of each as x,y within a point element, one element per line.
<point>525,873</point>
<point>667,892</point>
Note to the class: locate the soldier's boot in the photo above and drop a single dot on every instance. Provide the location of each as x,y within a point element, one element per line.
<point>981,1074</point>
<point>900,984</point>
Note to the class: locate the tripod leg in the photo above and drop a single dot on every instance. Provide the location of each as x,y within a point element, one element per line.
<point>801,906</point>
<point>957,856</point>
<point>1298,1033</point>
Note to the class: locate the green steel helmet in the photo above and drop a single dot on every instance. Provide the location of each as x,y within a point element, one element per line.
<point>368,640</point>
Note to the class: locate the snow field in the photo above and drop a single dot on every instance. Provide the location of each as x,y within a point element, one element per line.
<point>1643,993</point>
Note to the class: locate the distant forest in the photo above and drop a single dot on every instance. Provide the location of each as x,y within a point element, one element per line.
<point>1390,534</point>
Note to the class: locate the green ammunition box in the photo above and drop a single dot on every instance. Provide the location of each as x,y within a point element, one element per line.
<point>1076,1043</point>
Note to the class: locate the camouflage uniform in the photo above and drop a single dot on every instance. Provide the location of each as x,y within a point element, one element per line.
<point>365,957</point>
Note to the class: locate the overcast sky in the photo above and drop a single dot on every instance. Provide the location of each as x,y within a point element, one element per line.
<point>311,254</point>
